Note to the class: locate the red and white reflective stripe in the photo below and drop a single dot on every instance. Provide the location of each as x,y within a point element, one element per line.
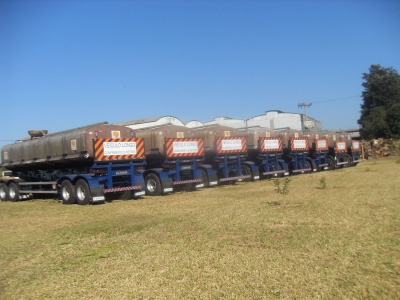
<point>122,189</point>
<point>274,172</point>
<point>301,170</point>
<point>188,181</point>
<point>235,178</point>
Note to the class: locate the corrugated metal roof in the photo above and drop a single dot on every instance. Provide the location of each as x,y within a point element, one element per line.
<point>141,121</point>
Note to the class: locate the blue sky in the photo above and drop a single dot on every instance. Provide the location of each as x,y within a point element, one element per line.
<point>65,64</point>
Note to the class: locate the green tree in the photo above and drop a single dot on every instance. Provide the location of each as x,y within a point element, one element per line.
<point>393,117</point>
<point>380,111</point>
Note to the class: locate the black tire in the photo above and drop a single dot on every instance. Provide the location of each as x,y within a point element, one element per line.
<point>152,185</point>
<point>67,192</point>
<point>13,192</point>
<point>271,169</point>
<point>246,171</point>
<point>286,169</point>
<point>279,169</point>
<point>348,160</point>
<point>82,192</point>
<point>331,163</point>
<point>3,192</point>
<point>205,178</point>
<point>308,166</point>
<point>300,166</point>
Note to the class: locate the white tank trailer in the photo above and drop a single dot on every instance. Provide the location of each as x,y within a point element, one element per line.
<point>59,150</point>
<point>265,150</point>
<point>172,154</point>
<point>318,151</point>
<point>295,151</point>
<point>80,165</point>
<point>226,152</point>
<point>339,144</point>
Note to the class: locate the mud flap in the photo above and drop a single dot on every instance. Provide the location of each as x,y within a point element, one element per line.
<point>97,193</point>
<point>167,186</point>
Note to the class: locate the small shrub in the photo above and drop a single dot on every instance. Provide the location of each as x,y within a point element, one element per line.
<point>285,189</point>
<point>322,182</point>
<point>398,161</point>
<point>367,169</point>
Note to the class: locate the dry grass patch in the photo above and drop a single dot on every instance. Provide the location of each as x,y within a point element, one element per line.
<point>242,241</point>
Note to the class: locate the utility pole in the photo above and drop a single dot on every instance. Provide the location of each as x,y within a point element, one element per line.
<point>305,105</point>
<point>307,124</point>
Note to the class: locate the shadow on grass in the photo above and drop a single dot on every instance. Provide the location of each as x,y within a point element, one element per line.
<point>275,203</point>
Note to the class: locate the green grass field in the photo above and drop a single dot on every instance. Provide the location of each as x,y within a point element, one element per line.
<point>242,241</point>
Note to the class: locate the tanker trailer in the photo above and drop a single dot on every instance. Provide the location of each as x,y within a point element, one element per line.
<point>295,151</point>
<point>265,150</point>
<point>337,148</point>
<point>81,165</point>
<point>353,148</point>
<point>226,153</point>
<point>173,157</point>
<point>318,150</point>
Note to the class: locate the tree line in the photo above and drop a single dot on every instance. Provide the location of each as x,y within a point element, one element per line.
<point>380,110</point>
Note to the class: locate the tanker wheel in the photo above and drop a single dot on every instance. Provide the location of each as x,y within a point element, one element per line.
<point>152,185</point>
<point>205,178</point>
<point>308,166</point>
<point>67,192</point>
<point>82,192</point>
<point>13,192</point>
<point>348,160</point>
<point>245,172</point>
<point>331,163</point>
<point>272,167</point>
<point>3,192</point>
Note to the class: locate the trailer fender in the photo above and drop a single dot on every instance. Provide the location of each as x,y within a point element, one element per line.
<point>97,193</point>
<point>314,166</point>
<point>284,166</point>
<point>162,178</point>
<point>255,173</point>
<point>210,177</point>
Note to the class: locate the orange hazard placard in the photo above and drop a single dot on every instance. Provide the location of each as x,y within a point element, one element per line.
<point>321,144</point>
<point>184,147</point>
<point>355,145</point>
<point>340,146</point>
<point>227,145</point>
<point>269,144</point>
<point>118,149</point>
<point>299,144</point>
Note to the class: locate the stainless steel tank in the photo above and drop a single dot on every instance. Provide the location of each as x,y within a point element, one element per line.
<point>312,136</point>
<point>154,137</point>
<point>288,134</point>
<point>65,149</point>
<point>210,133</point>
<point>170,141</point>
<point>331,136</point>
<point>253,136</point>
<point>344,136</point>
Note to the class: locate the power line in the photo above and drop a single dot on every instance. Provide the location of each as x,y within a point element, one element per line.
<point>351,97</point>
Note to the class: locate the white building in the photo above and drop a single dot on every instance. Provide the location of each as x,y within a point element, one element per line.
<point>274,119</point>
<point>194,123</point>
<point>152,122</point>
